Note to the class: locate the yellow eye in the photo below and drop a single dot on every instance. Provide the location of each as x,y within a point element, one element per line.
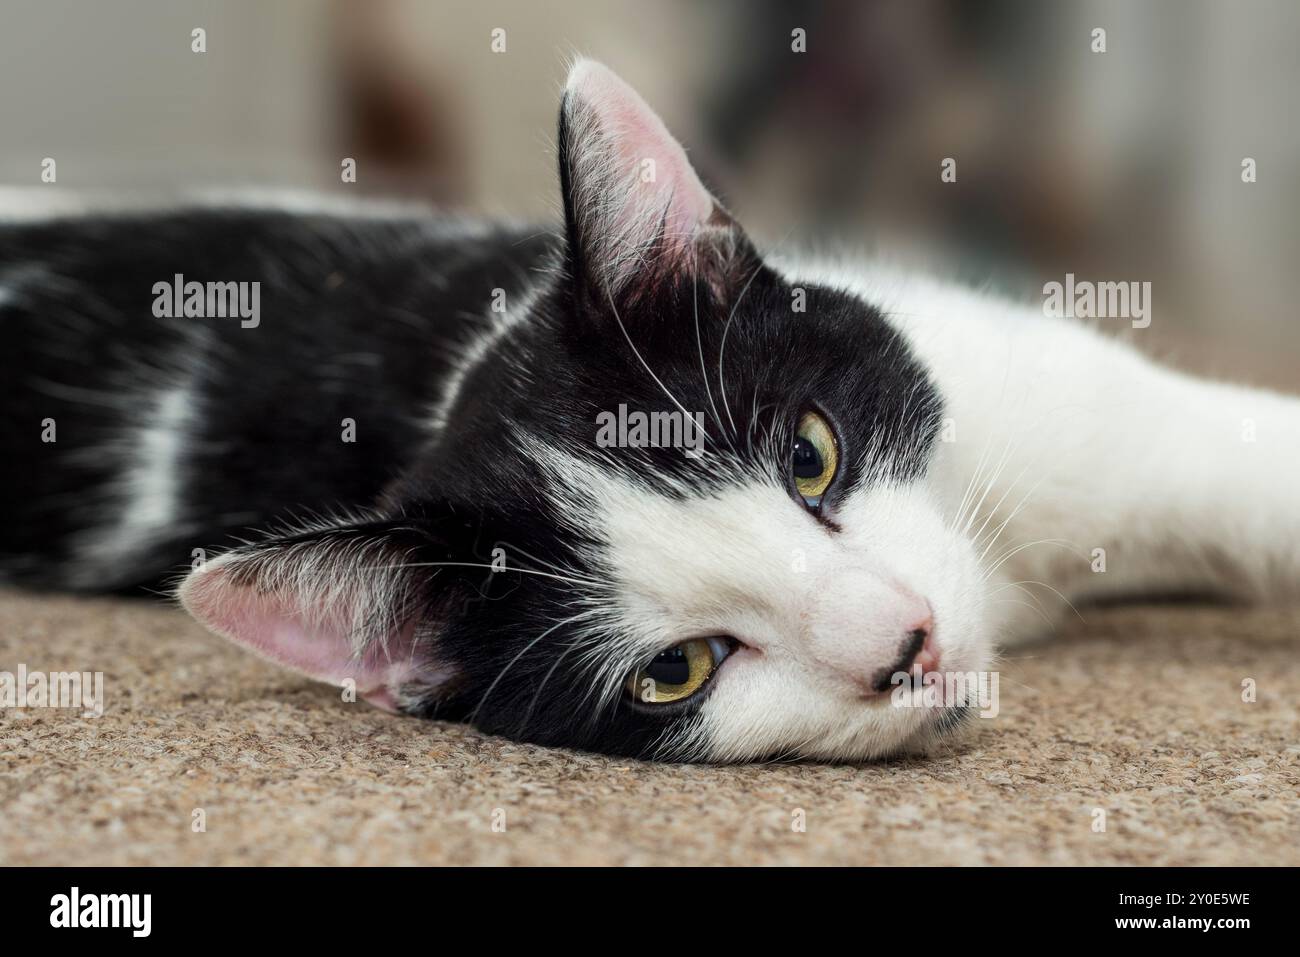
<point>679,672</point>
<point>814,458</point>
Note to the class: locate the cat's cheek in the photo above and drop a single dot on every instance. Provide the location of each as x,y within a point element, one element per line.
<point>736,682</point>
<point>729,726</point>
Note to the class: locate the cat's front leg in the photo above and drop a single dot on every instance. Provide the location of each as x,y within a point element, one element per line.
<point>1085,471</point>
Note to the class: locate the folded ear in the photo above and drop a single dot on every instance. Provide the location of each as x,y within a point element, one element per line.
<point>635,210</point>
<point>349,603</point>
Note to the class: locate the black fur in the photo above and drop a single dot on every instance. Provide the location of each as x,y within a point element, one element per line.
<point>362,319</point>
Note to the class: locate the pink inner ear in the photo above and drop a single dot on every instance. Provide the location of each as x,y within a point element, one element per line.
<point>635,134</point>
<point>271,625</point>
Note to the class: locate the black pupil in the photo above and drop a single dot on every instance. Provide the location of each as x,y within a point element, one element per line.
<point>806,459</point>
<point>669,668</point>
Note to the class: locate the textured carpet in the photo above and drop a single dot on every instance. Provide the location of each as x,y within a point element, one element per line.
<point>1140,713</point>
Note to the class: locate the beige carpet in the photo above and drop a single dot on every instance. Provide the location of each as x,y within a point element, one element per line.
<point>1140,713</point>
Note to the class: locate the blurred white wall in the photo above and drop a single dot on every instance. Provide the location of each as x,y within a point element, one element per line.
<point>112,91</point>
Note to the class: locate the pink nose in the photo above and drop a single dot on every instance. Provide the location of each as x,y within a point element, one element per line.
<point>917,647</point>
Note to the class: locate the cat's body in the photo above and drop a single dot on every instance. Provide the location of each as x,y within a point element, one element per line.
<point>176,432</point>
<point>445,382</point>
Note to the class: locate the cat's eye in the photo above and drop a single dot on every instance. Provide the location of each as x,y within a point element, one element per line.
<point>814,458</point>
<point>678,672</point>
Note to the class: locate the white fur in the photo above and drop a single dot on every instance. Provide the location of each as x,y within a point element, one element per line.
<point>150,484</point>
<point>474,353</point>
<point>818,611</point>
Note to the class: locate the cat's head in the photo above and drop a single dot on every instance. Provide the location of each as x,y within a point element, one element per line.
<point>676,506</point>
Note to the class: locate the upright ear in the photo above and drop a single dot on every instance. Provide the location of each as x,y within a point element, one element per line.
<point>635,210</point>
<point>336,604</point>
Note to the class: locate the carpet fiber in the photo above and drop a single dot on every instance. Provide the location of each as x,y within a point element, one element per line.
<point>1139,713</point>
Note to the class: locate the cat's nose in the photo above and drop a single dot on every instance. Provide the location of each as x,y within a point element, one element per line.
<point>864,628</point>
<point>917,647</point>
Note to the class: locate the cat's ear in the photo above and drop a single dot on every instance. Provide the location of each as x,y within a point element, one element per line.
<point>635,210</point>
<point>353,603</point>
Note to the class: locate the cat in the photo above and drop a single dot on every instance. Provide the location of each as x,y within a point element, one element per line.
<point>465,446</point>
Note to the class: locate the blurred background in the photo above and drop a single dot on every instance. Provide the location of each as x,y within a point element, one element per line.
<point>1122,165</point>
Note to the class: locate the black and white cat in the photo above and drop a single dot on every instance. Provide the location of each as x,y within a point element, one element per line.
<point>880,460</point>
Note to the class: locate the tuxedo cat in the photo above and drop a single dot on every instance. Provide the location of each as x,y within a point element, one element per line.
<point>634,487</point>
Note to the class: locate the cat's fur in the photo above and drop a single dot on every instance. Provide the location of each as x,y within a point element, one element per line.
<point>475,555</point>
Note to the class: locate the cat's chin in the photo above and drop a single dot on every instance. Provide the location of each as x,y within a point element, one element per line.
<point>946,727</point>
<point>935,729</point>
<point>938,710</point>
<point>914,738</point>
